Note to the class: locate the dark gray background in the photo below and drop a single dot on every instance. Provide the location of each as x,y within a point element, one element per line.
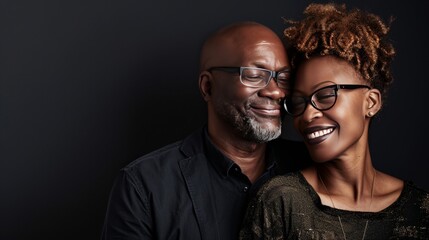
<point>86,86</point>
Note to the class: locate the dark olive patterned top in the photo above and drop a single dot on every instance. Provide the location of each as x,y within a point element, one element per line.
<point>287,207</point>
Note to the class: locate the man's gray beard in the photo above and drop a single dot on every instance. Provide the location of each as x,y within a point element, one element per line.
<point>247,126</point>
<point>253,130</point>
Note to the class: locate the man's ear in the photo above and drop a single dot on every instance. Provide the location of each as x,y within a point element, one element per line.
<point>205,85</point>
<point>373,102</point>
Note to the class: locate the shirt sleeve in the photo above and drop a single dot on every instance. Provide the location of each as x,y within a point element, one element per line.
<point>127,215</point>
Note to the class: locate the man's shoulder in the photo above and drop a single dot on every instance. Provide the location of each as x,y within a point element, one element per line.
<point>168,155</point>
<point>167,152</point>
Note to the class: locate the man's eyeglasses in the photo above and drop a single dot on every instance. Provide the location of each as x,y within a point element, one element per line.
<point>257,77</point>
<point>322,99</point>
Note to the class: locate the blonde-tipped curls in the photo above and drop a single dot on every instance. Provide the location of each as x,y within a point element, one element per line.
<point>355,36</point>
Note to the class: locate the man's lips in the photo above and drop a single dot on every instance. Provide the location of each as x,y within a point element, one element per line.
<point>266,110</point>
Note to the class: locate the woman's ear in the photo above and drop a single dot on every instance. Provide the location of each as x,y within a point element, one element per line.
<point>205,85</point>
<point>373,102</point>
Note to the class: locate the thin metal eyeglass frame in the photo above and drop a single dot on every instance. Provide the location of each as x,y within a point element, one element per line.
<point>308,99</point>
<point>239,70</point>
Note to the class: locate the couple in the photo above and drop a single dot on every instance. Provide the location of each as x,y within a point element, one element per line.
<point>334,84</point>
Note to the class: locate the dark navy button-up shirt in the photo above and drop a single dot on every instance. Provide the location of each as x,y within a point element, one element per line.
<point>189,190</point>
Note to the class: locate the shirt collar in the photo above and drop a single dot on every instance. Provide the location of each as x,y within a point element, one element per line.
<point>225,165</point>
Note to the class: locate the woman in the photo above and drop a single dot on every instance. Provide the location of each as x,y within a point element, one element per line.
<point>342,61</point>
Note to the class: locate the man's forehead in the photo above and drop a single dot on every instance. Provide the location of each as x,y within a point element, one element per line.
<point>231,44</point>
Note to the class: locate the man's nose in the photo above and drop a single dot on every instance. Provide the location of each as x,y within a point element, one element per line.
<point>272,90</point>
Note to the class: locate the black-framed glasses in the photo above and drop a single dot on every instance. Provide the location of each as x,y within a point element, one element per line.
<point>258,77</point>
<point>322,99</point>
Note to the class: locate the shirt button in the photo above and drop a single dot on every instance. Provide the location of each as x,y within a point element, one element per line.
<point>245,189</point>
<point>236,169</point>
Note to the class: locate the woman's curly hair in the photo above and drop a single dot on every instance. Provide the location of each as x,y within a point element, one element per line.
<point>355,36</point>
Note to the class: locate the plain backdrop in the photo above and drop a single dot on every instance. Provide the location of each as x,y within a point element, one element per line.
<point>87,86</point>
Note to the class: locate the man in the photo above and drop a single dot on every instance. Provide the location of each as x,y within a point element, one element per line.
<point>198,188</point>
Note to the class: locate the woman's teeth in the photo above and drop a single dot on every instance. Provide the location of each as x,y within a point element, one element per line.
<point>319,133</point>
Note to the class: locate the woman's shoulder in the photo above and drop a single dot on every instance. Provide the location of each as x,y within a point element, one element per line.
<point>404,198</point>
<point>284,185</point>
<point>292,179</point>
<point>415,189</point>
<point>412,209</point>
<point>395,192</point>
<point>416,194</point>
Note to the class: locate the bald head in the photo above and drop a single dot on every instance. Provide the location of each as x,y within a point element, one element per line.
<point>229,45</point>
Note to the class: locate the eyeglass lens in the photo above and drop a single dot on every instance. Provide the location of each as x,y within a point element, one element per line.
<point>255,77</point>
<point>322,99</point>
